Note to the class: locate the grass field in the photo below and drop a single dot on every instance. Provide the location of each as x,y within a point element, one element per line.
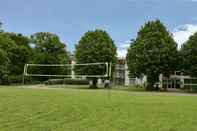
<point>33,109</point>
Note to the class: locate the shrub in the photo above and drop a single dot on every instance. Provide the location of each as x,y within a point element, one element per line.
<point>54,81</point>
<point>194,88</point>
<point>66,81</point>
<point>15,79</point>
<point>190,88</point>
<point>76,82</point>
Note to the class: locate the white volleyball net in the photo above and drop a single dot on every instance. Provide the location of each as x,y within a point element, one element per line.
<point>85,70</point>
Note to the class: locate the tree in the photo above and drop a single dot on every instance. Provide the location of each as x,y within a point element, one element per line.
<point>188,54</point>
<point>95,46</point>
<point>48,49</point>
<point>18,53</point>
<point>4,61</point>
<point>152,53</point>
<point>6,47</point>
<point>21,53</point>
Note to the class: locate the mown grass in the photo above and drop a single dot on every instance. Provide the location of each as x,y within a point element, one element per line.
<point>28,109</point>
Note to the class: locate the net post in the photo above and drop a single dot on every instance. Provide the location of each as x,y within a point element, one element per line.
<point>107,73</point>
<point>108,79</point>
<point>24,73</point>
<point>72,69</point>
<point>110,64</point>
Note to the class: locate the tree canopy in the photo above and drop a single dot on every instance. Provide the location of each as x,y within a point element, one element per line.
<point>152,53</point>
<point>95,46</point>
<point>21,53</point>
<point>49,46</point>
<point>4,61</point>
<point>17,51</point>
<point>188,54</point>
<point>48,49</point>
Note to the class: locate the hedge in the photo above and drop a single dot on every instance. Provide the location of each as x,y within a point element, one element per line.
<point>66,81</point>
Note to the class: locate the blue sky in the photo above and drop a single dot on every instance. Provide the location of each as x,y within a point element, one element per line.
<point>70,19</point>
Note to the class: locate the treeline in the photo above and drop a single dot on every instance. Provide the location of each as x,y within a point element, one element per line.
<point>16,50</point>
<point>152,53</point>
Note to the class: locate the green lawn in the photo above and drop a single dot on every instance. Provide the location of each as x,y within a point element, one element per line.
<point>28,109</point>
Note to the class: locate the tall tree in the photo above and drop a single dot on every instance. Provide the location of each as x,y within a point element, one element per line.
<point>188,54</point>
<point>4,61</point>
<point>21,54</point>
<point>95,46</point>
<point>6,47</point>
<point>48,49</point>
<point>152,53</point>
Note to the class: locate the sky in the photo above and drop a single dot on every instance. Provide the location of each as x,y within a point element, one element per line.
<point>122,19</point>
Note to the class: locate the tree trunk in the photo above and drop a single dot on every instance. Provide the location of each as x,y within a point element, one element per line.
<point>149,86</point>
<point>94,84</point>
<point>151,80</point>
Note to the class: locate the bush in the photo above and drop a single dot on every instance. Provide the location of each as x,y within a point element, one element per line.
<point>76,82</point>
<point>190,88</point>
<point>66,81</point>
<point>194,88</point>
<point>54,81</point>
<point>15,79</point>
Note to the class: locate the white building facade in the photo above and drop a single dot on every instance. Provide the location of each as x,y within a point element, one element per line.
<point>176,80</point>
<point>122,78</point>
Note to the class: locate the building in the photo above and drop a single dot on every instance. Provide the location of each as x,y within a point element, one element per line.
<point>121,76</point>
<point>120,71</point>
<point>176,80</point>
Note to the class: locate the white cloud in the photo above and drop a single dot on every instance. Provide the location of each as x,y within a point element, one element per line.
<point>122,53</point>
<point>182,33</point>
<point>122,49</point>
